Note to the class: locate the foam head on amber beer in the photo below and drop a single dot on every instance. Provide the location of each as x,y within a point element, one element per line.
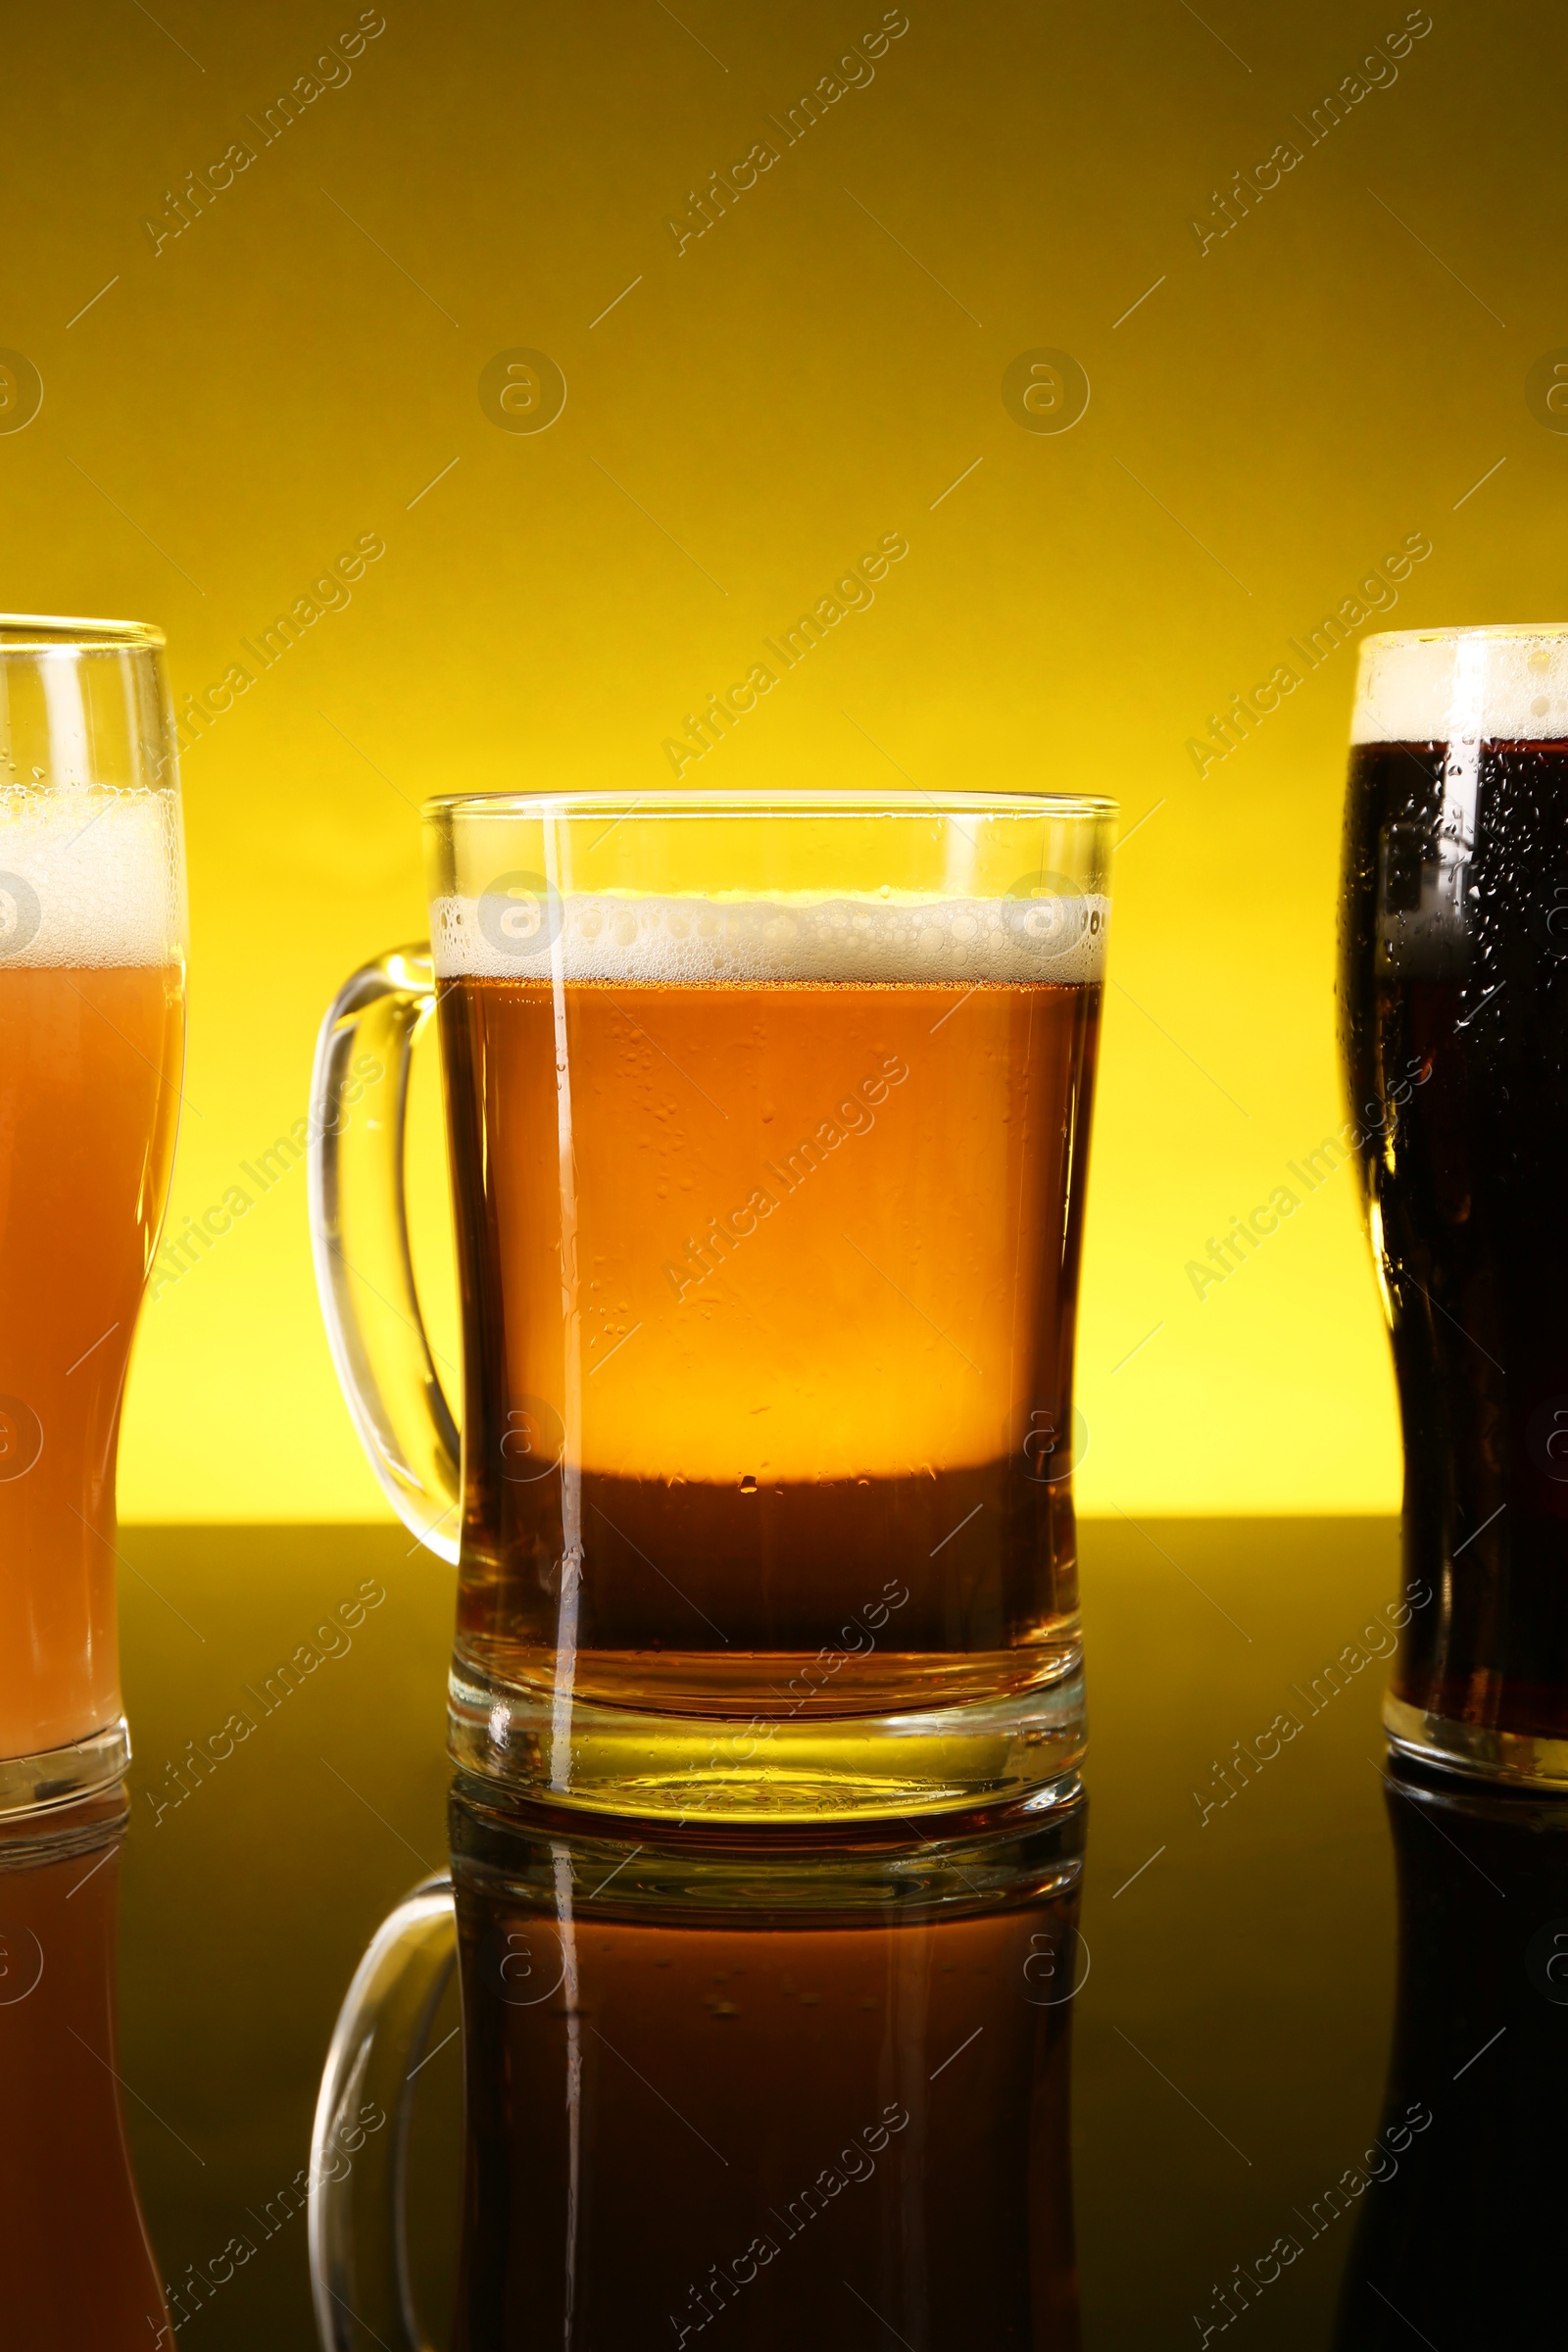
<point>90,878</point>
<point>890,940</point>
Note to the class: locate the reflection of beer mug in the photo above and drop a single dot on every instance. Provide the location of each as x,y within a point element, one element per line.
<point>768,1126</point>
<point>93,928</point>
<point>1454,1011</point>
<point>817,2093</point>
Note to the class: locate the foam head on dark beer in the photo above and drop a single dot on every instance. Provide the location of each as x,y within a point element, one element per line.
<point>1506,685</point>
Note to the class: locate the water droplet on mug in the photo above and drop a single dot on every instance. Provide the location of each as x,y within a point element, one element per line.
<point>747,1484</point>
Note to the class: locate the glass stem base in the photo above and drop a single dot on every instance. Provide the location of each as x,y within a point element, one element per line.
<point>56,1776</point>
<point>1479,1748</point>
<point>623,1761</point>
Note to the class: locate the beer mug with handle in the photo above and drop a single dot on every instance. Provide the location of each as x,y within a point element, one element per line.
<point>767,1121</point>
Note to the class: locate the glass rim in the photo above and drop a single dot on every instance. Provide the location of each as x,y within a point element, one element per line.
<point>671,801</point>
<point>52,633</point>
<point>1500,630</point>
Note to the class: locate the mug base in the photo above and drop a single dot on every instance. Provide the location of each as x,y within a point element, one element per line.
<point>58,1776</point>
<point>619,1760</point>
<point>1477,1748</point>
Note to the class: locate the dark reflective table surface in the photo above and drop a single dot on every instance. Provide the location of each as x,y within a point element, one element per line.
<point>1262,2149</point>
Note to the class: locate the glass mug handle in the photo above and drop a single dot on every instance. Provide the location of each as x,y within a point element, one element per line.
<point>359,2145</point>
<point>360,1241</point>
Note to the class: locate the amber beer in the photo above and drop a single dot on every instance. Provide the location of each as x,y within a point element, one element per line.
<point>768,1122</point>
<point>818,1238</point>
<point>91,1033</point>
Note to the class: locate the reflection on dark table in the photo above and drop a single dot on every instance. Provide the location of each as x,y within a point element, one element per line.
<point>1232,2026</point>
<point>1465,2242</point>
<point>803,2093</point>
<point>76,2267</point>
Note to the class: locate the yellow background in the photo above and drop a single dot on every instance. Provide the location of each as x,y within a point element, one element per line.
<point>815,371</point>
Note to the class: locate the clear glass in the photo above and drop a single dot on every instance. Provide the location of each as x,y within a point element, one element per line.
<point>668,2036</point>
<point>92,987</point>
<point>767,1125</point>
<point>1455,1031</point>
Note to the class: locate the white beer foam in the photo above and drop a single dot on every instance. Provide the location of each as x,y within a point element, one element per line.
<point>1463,686</point>
<point>715,942</point>
<point>90,876</point>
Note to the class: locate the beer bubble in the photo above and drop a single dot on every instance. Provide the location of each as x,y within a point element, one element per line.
<point>519,915</point>
<point>20,1963</point>
<point>20,913</point>
<point>1045,391</point>
<point>524,1964</point>
<point>20,1437</point>
<point>1051,1970</point>
<point>521,390</point>
<point>1050,1452</point>
<point>21,392</point>
<point>532,1442</point>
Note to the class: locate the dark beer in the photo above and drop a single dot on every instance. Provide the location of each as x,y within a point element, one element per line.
<point>770,1306</point>
<point>1454,1028</point>
<point>766,2101</point>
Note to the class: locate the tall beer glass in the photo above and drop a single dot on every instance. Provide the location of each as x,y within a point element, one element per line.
<point>1454,1026</point>
<point>92,931</point>
<point>767,1124</point>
